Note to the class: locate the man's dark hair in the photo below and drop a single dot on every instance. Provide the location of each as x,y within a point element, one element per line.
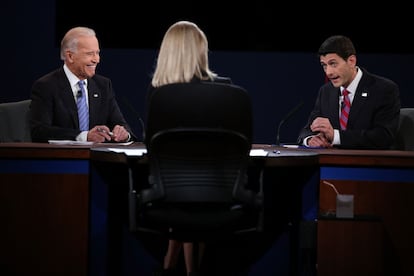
<point>337,44</point>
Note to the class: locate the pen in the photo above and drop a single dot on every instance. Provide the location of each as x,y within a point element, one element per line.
<point>110,133</point>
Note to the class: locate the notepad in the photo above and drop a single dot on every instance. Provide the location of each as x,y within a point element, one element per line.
<point>129,152</point>
<point>258,152</point>
<point>70,142</point>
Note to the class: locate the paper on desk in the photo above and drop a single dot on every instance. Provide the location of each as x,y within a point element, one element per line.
<point>70,142</point>
<point>116,143</point>
<point>86,143</point>
<point>140,152</point>
<point>129,152</point>
<point>258,152</point>
<point>291,146</point>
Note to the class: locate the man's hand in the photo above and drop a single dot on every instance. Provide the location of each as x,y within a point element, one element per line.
<point>100,134</point>
<point>120,134</point>
<point>319,141</point>
<point>323,126</point>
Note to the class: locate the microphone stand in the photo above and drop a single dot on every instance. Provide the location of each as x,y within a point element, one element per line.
<point>291,112</point>
<point>140,120</point>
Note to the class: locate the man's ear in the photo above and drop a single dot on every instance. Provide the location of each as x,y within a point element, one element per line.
<point>352,59</point>
<point>69,56</point>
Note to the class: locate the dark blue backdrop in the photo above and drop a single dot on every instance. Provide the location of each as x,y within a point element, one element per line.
<point>276,81</point>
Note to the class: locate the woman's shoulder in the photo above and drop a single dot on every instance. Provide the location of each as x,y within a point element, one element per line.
<point>217,79</point>
<point>222,79</point>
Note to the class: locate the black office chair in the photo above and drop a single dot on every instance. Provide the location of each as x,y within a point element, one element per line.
<point>198,141</point>
<point>14,121</point>
<point>405,135</point>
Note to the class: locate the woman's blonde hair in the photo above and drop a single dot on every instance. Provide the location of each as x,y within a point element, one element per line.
<point>183,55</point>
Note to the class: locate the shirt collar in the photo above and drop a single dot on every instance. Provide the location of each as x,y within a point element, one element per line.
<point>354,83</point>
<point>73,80</point>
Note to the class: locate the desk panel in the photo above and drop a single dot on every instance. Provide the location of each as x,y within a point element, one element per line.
<point>54,214</point>
<point>289,197</point>
<point>44,206</point>
<point>382,183</point>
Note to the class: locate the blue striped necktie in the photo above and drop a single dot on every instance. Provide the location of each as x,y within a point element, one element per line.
<point>83,111</point>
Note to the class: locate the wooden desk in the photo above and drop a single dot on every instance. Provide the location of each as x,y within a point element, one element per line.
<point>382,183</point>
<point>283,190</point>
<point>44,206</point>
<point>50,209</point>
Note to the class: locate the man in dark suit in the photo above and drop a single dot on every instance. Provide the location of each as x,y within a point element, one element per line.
<point>54,111</point>
<point>372,118</point>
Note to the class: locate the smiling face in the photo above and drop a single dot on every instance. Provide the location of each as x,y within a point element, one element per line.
<point>84,60</point>
<point>339,71</point>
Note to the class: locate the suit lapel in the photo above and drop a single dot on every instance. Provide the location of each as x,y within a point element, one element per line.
<point>67,97</point>
<point>361,96</point>
<point>94,96</point>
<point>334,106</point>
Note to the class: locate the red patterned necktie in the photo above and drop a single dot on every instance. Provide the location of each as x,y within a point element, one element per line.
<point>345,107</point>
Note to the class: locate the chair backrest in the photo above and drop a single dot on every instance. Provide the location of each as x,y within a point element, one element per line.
<point>215,105</point>
<point>14,121</point>
<point>198,140</point>
<point>198,165</point>
<point>405,135</point>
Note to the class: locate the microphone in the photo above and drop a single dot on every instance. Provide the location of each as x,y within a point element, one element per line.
<point>341,101</point>
<point>79,94</point>
<point>291,112</point>
<point>133,110</point>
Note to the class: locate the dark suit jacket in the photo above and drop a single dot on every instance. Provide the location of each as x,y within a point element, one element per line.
<point>219,79</point>
<point>53,111</point>
<point>150,91</point>
<point>373,118</point>
<point>199,104</point>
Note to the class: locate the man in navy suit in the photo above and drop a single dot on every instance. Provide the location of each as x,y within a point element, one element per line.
<point>375,103</point>
<point>54,112</point>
